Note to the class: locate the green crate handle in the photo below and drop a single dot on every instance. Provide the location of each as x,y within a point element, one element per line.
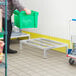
<point>17,12</point>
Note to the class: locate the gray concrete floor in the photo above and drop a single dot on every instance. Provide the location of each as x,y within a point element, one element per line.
<point>30,62</point>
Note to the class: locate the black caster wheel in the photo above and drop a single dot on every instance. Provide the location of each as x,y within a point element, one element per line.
<point>71,61</point>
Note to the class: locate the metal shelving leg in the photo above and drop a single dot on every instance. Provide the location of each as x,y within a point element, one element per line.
<point>5,37</point>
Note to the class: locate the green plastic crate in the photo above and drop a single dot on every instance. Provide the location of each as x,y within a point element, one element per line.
<point>22,20</point>
<point>2,35</point>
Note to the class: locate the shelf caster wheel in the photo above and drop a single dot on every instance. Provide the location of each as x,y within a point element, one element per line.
<point>71,61</point>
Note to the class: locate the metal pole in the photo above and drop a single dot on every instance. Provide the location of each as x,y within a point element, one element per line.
<point>5,37</point>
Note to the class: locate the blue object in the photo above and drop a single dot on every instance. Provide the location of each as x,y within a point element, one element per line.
<point>73,19</point>
<point>69,51</point>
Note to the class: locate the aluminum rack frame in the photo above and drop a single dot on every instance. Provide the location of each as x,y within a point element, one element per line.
<point>44,44</point>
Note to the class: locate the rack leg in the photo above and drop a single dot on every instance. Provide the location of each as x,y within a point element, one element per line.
<point>29,37</point>
<point>20,45</point>
<point>22,42</point>
<point>45,53</point>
